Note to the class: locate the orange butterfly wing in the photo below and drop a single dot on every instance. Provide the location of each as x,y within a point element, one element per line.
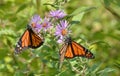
<point>35,40</point>
<point>62,53</point>
<point>29,39</point>
<point>79,50</point>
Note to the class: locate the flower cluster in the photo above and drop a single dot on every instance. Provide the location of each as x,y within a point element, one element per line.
<point>56,25</point>
<point>60,26</point>
<point>57,14</point>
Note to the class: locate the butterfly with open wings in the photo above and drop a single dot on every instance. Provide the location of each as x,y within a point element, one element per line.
<point>71,49</point>
<point>29,39</point>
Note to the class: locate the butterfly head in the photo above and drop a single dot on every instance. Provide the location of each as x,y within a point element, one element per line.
<point>29,27</point>
<point>18,48</point>
<point>68,40</point>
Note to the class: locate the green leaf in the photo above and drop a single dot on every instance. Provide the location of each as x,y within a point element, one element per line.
<point>105,71</point>
<point>2,13</point>
<point>117,2</point>
<point>7,32</point>
<point>95,67</point>
<point>117,63</point>
<point>78,17</point>
<point>22,7</point>
<point>79,13</point>
<point>82,9</point>
<point>18,74</point>
<point>107,2</point>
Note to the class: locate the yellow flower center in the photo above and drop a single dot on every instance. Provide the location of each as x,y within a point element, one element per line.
<point>44,25</point>
<point>64,32</point>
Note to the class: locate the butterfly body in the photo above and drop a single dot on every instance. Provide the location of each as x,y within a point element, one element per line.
<point>29,39</point>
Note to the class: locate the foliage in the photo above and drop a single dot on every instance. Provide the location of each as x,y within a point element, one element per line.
<point>94,24</point>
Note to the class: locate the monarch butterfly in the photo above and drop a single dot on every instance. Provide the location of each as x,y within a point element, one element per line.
<point>29,39</point>
<point>71,49</point>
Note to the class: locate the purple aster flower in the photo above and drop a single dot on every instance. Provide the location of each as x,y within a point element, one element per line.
<point>35,22</point>
<point>62,30</point>
<point>46,24</point>
<point>57,14</point>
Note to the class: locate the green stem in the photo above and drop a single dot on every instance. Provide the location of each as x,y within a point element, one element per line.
<point>38,2</point>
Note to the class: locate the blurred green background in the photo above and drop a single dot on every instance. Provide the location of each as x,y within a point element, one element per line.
<point>98,27</point>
